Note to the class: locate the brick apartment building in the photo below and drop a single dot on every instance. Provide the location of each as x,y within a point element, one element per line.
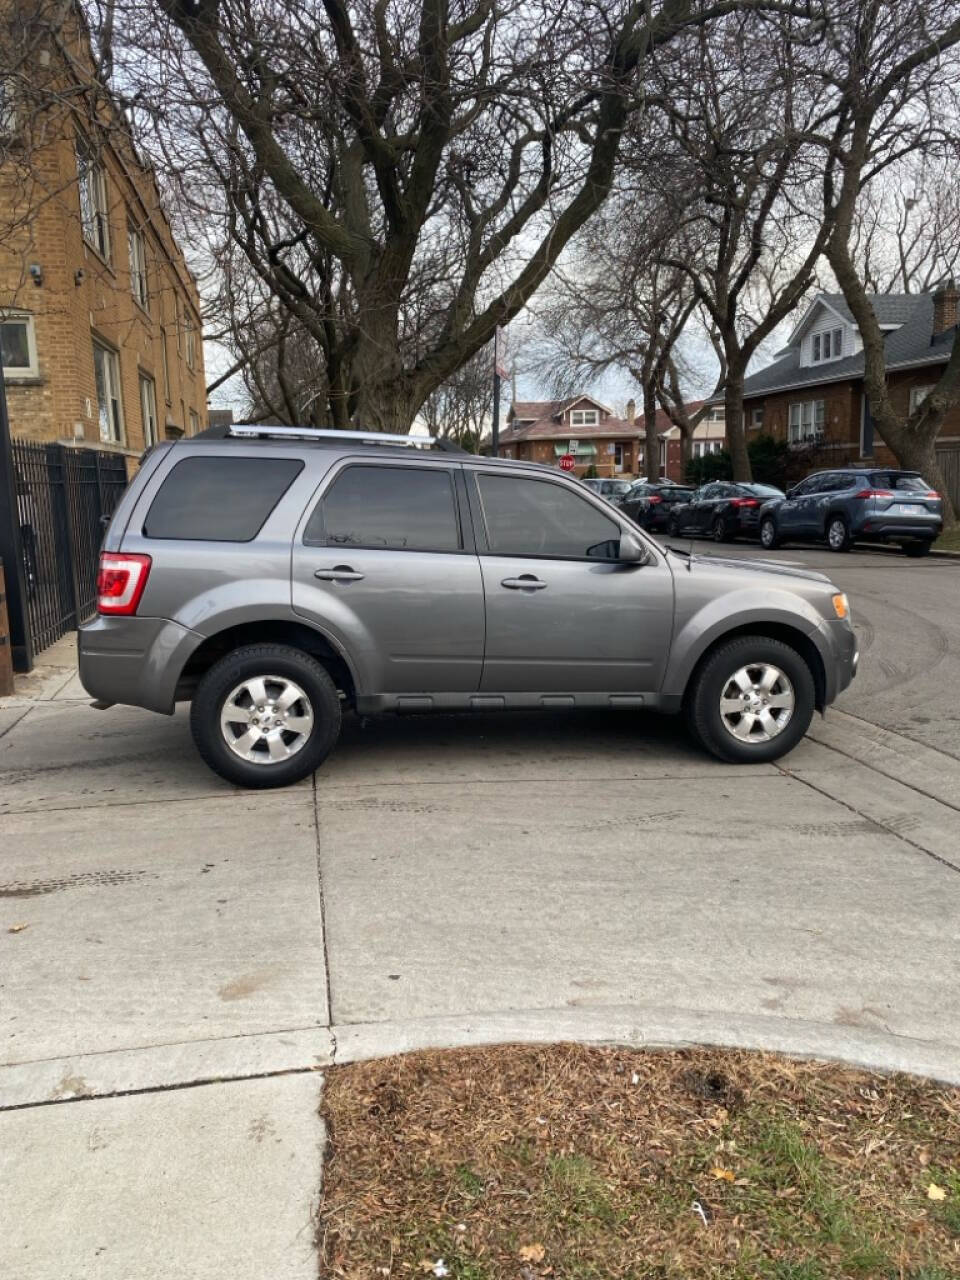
<point>101,333</point>
<point>813,394</point>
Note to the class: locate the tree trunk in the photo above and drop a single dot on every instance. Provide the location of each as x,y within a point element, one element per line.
<point>917,453</point>
<point>736,433</point>
<point>651,439</point>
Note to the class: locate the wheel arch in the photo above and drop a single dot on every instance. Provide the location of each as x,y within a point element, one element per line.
<point>299,635</point>
<point>797,639</point>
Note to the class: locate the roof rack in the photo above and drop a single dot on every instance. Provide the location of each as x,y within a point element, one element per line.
<point>255,431</point>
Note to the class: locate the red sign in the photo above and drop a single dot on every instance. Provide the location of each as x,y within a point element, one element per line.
<point>567,462</point>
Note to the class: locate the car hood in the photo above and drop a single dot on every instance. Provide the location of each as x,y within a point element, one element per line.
<point>699,563</point>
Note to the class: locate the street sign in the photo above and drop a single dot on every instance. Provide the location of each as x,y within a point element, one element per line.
<point>567,462</point>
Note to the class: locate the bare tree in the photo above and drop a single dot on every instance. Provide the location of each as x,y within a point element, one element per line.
<point>894,70</point>
<point>401,174</point>
<point>459,409</point>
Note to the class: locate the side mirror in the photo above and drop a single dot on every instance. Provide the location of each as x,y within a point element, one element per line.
<point>631,548</point>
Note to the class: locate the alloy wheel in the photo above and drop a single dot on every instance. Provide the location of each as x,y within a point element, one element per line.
<point>757,703</point>
<point>266,719</point>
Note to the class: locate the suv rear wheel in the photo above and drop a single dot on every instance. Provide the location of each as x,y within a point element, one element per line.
<point>266,715</point>
<point>751,701</point>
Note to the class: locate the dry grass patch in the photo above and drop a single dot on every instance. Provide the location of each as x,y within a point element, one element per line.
<point>566,1161</point>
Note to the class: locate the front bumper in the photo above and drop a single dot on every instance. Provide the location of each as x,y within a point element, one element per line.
<point>840,651</point>
<point>136,661</point>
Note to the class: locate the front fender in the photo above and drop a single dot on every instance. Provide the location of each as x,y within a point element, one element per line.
<point>733,612</point>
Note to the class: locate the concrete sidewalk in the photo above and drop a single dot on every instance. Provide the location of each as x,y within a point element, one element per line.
<point>179,961</point>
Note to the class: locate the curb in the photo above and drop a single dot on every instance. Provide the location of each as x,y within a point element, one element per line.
<point>945,555</point>
<point>866,1047</point>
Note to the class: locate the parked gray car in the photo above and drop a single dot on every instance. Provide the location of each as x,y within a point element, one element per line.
<point>850,505</point>
<point>277,576</point>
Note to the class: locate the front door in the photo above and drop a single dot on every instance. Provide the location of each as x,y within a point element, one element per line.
<point>563,614</point>
<point>383,563</point>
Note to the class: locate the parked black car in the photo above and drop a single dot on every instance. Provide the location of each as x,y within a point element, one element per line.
<point>840,507</point>
<point>722,510</point>
<point>649,505</point>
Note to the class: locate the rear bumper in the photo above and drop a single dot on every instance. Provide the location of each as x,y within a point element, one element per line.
<point>136,661</point>
<point>891,530</point>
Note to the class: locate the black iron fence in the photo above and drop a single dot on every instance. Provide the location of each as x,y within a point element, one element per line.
<point>63,495</point>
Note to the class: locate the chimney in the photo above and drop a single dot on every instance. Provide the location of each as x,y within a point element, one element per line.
<point>631,411</point>
<point>946,305</point>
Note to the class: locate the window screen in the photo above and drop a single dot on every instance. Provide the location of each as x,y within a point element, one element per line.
<point>537,518</point>
<point>219,499</point>
<point>390,508</point>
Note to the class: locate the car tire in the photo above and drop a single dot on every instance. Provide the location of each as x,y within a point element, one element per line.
<point>769,537</point>
<point>917,549</point>
<point>673,528</point>
<point>315,712</point>
<point>710,683</point>
<point>838,534</point>
<point>722,530</point>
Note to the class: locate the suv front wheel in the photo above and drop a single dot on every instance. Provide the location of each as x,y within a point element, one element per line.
<point>265,715</point>
<point>751,701</point>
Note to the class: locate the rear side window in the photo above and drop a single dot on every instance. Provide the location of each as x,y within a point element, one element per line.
<point>671,494</point>
<point>899,480</point>
<point>219,499</point>
<point>387,509</point>
<point>537,518</point>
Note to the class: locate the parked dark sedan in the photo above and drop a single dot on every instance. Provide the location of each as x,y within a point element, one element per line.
<point>649,505</point>
<point>722,511</point>
<point>840,507</point>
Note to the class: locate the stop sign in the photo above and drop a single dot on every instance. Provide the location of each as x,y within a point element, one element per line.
<point>567,462</point>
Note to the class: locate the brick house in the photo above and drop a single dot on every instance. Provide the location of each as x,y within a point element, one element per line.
<point>812,394</point>
<point>544,430</point>
<point>101,331</point>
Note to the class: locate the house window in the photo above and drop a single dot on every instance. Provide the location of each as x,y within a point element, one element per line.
<point>138,265</point>
<point>190,338</point>
<point>756,416</point>
<point>92,184</point>
<point>194,423</point>
<point>166,365</point>
<point>806,422</point>
<point>702,448</point>
<point>718,413</point>
<point>148,410</point>
<point>18,346</point>
<point>827,345</point>
<point>584,417</point>
<point>106,368</point>
<point>917,394</point>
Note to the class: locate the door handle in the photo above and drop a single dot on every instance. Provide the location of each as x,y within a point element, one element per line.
<point>339,573</point>
<point>526,582</point>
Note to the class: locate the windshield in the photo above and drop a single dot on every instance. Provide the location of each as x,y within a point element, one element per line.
<point>899,480</point>
<point>763,490</point>
<point>617,486</point>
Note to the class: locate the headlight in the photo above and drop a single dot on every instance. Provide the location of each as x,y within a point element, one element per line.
<point>841,605</point>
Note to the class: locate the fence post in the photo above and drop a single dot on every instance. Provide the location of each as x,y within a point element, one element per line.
<point>62,503</point>
<point>11,551</point>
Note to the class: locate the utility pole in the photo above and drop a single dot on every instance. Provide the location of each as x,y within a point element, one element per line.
<point>10,550</point>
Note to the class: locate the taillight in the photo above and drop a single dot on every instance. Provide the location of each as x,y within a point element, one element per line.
<point>932,494</point>
<point>744,502</point>
<point>874,493</point>
<point>120,582</point>
<point>654,499</point>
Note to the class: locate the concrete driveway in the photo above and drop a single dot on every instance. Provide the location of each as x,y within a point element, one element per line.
<point>448,880</point>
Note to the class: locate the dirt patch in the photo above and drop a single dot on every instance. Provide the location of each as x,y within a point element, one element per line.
<point>587,1163</point>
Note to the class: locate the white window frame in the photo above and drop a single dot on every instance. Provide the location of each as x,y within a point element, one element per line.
<point>137,254</point>
<point>165,359</point>
<point>584,418</point>
<point>94,210</point>
<point>194,423</point>
<point>806,421</point>
<point>148,401</point>
<point>114,432</point>
<point>826,345</point>
<point>919,393</point>
<point>32,370</point>
<point>756,417</point>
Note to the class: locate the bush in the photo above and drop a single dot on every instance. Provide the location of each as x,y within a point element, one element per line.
<point>772,461</point>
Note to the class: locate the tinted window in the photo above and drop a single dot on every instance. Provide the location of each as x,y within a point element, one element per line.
<point>809,485</point>
<point>388,508</point>
<point>671,493</point>
<point>899,480</point>
<point>219,499</point>
<point>537,518</point>
<point>762,490</point>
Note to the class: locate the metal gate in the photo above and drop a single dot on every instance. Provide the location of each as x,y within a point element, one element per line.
<point>63,495</point>
<point>949,458</point>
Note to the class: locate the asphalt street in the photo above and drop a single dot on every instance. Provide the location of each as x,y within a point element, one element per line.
<point>180,957</point>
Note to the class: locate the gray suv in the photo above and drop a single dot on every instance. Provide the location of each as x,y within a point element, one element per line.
<point>276,576</point>
<point>846,506</point>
